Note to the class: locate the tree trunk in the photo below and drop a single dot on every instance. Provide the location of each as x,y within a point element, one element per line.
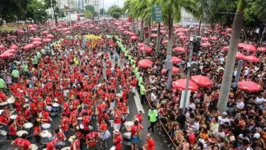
<point>230,61</point>
<point>263,34</point>
<point>169,53</point>
<point>158,40</point>
<point>141,30</point>
<point>55,17</point>
<point>149,38</point>
<point>199,26</point>
<point>137,27</point>
<point>132,25</point>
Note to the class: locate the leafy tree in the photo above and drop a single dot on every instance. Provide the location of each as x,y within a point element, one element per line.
<point>115,11</point>
<point>36,11</point>
<point>90,8</point>
<point>49,4</point>
<point>230,61</point>
<point>88,14</point>
<point>171,10</point>
<point>102,11</point>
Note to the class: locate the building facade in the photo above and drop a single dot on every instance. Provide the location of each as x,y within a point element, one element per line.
<point>97,4</point>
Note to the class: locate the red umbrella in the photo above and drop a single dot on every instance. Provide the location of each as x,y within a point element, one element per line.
<point>181,85</point>
<point>147,49</point>
<point>250,47</point>
<point>251,59</point>
<point>180,49</point>
<point>13,46</point>
<point>183,37</point>
<point>36,43</point>
<point>153,29</point>
<point>202,81</point>
<point>163,31</point>
<point>214,38</point>
<point>225,48</point>
<point>180,34</point>
<point>206,45</point>
<point>20,32</point>
<point>11,37</point>
<point>145,63</point>
<point>204,39</point>
<point>6,55</point>
<point>176,60</point>
<point>131,33</point>
<point>165,41</point>
<point>134,38</point>
<point>249,86</point>
<point>68,32</point>
<point>28,46</point>
<point>50,36</point>
<point>240,55</point>
<point>262,48</point>
<point>33,29</point>
<point>10,51</point>
<point>175,70</point>
<point>47,40</point>
<point>97,28</point>
<point>44,32</point>
<point>241,45</point>
<point>2,47</point>
<point>36,39</point>
<point>153,35</point>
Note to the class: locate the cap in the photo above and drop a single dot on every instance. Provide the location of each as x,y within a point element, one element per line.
<point>256,136</point>
<point>224,113</point>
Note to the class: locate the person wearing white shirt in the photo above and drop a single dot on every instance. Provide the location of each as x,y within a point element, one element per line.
<point>222,119</point>
<point>260,99</point>
<point>240,104</point>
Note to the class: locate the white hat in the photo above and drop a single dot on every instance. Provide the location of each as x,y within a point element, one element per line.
<point>224,113</point>
<point>256,136</point>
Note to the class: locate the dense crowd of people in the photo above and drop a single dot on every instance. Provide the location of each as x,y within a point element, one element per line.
<point>79,79</point>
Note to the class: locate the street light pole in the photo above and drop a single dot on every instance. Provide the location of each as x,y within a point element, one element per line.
<point>188,73</point>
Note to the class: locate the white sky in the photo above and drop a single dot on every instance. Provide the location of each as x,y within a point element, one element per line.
<point>109,3</point>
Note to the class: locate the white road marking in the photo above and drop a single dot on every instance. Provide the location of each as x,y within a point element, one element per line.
<point>138,103</point>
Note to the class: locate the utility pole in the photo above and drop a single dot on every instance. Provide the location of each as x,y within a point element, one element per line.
<point>69,12</point>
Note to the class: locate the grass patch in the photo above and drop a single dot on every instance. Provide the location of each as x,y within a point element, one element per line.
<point>7,28</point>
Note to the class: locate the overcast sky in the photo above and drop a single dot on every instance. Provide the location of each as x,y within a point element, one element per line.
<point>109,3</point>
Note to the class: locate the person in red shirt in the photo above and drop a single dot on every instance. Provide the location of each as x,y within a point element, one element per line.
<point>150,144</point>
<point>45,117</point>
<point>75,144</point>
<point>117,118</point>
<point>92,140</point>
<point>36,131</point>
<point>139,117</point>
<point>51,145</point>
<point>65,122</point>
<point>22,143</point>
<point>117,140</point>
<point>104,133</point>
<point>135,131</point>
<point>26,113</point>
<point>12,130</point>
<point>4,120</point>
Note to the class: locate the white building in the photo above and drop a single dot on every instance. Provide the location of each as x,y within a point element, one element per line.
<point>97,4</point>
<point>66,3</point>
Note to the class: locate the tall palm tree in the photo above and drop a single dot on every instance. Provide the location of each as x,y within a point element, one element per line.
<point>171,10</point>
<point>129,7</point>
<point>146,13</point>
<point>230,61</point>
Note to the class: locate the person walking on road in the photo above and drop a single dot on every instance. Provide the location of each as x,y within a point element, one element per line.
<point>152,114</point>
<point>149,143</point>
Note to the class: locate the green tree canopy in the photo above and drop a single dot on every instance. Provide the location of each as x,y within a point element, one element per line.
<point>115,11</point>
<point>102,11</point>
<point>90,8</point>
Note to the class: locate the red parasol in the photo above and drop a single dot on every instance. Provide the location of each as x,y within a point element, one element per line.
<point>44,32</point>
<point>165,42</point>
<point>251,59</point>
<point>147,49</point>
<point>153,35</point>
<point>225,48</point>
<point>240,55</point>
<point>6,55</point>
<point>11,37</point>
<point>163,31</point>
<point>20,32</point>
<point>134,38</point>
<point>2,47</point>
<point>261,49</point>
<point>180,34</point>
<point>180,49</point>
<point>10,51</point>
<point>206,45</point>
<point>249,47</point>
<point>183,37</point>
<point>97,28</point>
<point>36,39</point>
<point>202,81</point>
<point>28,46</point>
<point>47,40</point>
<point>36,43</point>
<point>175,70</point>
<point>176,60</point>
<point>145,63</point>
<point>68,32</point>
<point>13,46</point>
<point>214,38</point>
<point>50,36</point>
<point>249,86</point>
<point>131,33</point>
<point>241,45</point>
<point>181,85</point>
<point>204,39</point>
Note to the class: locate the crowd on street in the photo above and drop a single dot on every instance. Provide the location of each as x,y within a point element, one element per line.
<point>84,74</point>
